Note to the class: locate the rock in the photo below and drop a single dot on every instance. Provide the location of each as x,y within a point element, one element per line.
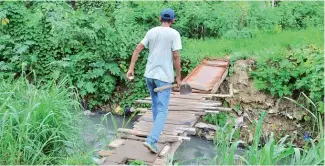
<point>118,110</point>
<point>298,114</point>
<point>251,137</point>
<point>202,125</point>
<point>209,137</point>
<point>88,113</point>
<point>239,122</point>
<point>235,91</point>
<point>272,111</point>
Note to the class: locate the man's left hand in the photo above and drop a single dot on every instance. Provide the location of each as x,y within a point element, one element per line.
<point>179,81</point>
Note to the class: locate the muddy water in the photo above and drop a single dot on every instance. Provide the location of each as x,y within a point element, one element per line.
<point>100,129</point>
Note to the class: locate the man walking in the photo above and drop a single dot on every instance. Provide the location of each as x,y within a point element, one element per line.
<point>163,43</point>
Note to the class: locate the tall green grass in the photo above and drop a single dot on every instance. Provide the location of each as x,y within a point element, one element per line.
<point>39,125</point>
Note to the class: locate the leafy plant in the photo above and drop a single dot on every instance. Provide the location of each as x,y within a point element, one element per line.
<point>299,70</point>
<point>219,119</point>
<point>137,162</point>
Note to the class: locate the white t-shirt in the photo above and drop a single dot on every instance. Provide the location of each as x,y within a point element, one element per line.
<point>161,41</point>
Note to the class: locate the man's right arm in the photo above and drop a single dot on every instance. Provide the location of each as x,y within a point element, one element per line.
<point>177,65</point>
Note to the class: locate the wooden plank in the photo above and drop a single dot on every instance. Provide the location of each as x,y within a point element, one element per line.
<point>140,133</point>
<point>170,118</point>
<point>162,139</point>
<point>151,124</point>
<point>166,130</point>
<point>164,159</point>
<point>204,96</point>
<point>107,162</point>
<point>176,122</point>
<point>192,97</point>
<point>116,143</point>
<point>184,103</point>
<point>217,85</point>
<point>196,113</point>
<point>164,150</point>
<point>194,101</point>
<point>173,117</point>
<point>133,150</point>
<point>198,108</point>
<point>105,153</point>
<point>160,161</point>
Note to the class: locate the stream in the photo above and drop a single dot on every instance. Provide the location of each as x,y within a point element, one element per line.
<point>99,130</point>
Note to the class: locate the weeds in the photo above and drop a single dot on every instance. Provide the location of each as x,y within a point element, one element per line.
<point>271,153</point>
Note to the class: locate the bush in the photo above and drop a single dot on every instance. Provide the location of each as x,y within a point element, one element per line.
<point>286,74</point>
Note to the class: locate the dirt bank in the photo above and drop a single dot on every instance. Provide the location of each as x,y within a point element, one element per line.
<point>283,116</point>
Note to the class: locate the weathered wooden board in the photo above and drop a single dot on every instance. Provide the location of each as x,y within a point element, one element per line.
<point>206,75</point>
<point>196,113</point>
<point>164,132</point>
<point>180,100</point>
<point>162,139</point>
<point>173,117</point>
<point>171,121</point>
<point>187,104</point>
<point>116,143</point>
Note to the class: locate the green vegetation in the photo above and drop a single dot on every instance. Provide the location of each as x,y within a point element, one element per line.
<point>89,46</point>
<point>271,153</point>
<point>38,124</point>
<point>219,119</point>
<point>137,162</point>
<point>93,44</point>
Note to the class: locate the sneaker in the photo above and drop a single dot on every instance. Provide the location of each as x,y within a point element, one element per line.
<point>151,146</point>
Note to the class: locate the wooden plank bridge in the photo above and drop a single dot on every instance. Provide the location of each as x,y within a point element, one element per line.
<point>183,112</point>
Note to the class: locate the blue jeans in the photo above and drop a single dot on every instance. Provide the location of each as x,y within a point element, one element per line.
<point>160,102</point>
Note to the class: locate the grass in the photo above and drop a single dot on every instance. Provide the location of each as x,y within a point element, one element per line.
<point>38,125</point>
<point>261,44</point>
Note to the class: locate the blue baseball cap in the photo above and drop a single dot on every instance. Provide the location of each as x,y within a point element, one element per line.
<point>168,14</point>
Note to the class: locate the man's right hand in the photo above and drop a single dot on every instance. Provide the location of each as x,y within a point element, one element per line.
<point>130,75</point>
